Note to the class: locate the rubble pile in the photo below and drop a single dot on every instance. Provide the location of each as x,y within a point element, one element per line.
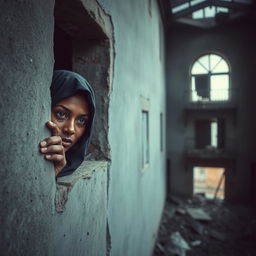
<point>203,227</point>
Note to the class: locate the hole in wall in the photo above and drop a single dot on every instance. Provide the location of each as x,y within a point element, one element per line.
<point>83,44</point>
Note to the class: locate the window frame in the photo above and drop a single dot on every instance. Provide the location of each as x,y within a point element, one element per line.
<point>210,74</point>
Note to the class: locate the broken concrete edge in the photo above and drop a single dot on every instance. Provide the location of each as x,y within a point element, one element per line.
<point>65,184</point>
<point>98,14</point>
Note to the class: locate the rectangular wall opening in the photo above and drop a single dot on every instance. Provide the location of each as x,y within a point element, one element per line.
<point>210,133</point>
<point>209,181</point>
<point>145,139</point>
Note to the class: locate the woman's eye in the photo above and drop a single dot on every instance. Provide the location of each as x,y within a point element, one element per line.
<point>61,115</point>
<point>82,121</point>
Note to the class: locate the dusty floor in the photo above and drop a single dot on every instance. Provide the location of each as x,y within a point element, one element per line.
<point>230,232</point>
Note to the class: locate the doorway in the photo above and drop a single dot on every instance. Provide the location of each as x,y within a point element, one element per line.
<point>209,181</point>
<point>210,133</point>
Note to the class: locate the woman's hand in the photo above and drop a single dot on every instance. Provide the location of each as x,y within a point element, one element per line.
<point>52,148</point>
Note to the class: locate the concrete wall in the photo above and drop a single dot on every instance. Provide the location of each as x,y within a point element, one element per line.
<point>135,200</point>
<point>81,203</point>
<point>27,182</point>
<point>236,42</point>
<point>30,223</point>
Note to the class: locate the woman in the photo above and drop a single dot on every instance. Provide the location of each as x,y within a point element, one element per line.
<point>72,114</point>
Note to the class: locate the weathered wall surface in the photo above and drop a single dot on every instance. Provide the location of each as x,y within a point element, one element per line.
<point>81,228</point>
<point>30,224</point>
<point>236,42</point>
<point>27,182</point>
<point>135,200</point>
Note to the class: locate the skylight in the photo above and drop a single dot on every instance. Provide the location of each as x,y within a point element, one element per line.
<point>204,9</point>
<point>208,12</point>
<point>180,8</point>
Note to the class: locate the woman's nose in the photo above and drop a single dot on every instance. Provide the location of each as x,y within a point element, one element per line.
<point>69,127</point>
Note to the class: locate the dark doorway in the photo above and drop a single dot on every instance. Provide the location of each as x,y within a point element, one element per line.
<point>202,133</point>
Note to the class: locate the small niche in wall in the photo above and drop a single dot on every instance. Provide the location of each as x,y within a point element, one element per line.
<point>144,133</point>
<point>144,139</point>
<point>161,133</point>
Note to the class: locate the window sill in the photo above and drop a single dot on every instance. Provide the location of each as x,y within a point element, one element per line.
<point>65,184</point>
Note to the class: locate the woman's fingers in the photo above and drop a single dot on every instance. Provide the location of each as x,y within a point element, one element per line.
<point>53,140</point>
<point>59,161</point>
<point>55,157</point>
<point>53,128</point>
<point>52,149</point>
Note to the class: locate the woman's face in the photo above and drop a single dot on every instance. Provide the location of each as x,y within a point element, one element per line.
<point>71,115</point>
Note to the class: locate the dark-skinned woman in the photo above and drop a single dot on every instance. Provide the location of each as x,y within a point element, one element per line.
<point>72,114</point>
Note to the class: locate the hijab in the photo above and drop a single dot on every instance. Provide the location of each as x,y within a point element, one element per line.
<point>66,84</point>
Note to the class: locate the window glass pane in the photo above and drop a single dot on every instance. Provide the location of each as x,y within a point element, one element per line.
<point>193,2</point>
<point>194,96</point>
<point>219,87</point>
<point>198,69</point>
<point>221,67</point>
<point>214,133</point>
<point>180,8</point>
<point>204,61</point>
<point>222,9</point>
<point>209,12</point>
<point>214,60</point>
<point>198,14</point>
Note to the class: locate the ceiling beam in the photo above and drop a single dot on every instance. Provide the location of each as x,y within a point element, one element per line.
<point>175,3</point>
<point>231,5</point>
<point>191,9</point>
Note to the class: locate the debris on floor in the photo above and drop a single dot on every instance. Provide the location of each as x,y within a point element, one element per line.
<point>203,227</point>
<point>196,243</point>
<point>198,214</point>
<point>178,241</point>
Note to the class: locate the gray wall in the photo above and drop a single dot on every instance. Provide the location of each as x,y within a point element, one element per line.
<point>237,43</point>
<point>27,181</point>
<point>31,225</point>
<point>135,200</point>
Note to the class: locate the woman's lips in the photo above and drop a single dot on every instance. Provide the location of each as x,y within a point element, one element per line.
<point>66,142</point>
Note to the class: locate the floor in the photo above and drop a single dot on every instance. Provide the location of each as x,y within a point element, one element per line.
<point>223,229</point>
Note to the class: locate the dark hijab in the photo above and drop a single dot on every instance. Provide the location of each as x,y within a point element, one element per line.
<point>66,84</point>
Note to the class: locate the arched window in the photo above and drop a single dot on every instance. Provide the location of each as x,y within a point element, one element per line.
<point>210,79</point>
